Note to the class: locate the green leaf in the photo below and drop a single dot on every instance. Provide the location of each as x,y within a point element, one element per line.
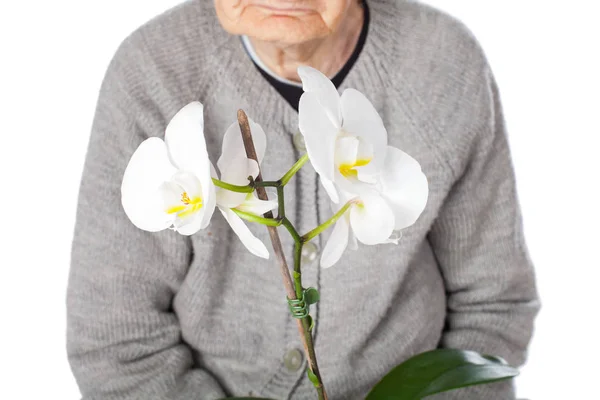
<point>312,377</point>
<point>439,371</point>
<point>311,295</point>
<point>311,323</point>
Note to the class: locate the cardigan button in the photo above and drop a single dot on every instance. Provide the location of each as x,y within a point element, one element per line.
<point>293,360</point>
<point>310,252</point>
<point>299,144</point>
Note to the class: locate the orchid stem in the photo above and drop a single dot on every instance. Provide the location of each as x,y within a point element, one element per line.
<point>255,184</point>
<point>280,202</point>
<point>293,232</point>
<point>233,188</point>
<point>306,324</point>
<point>307,237</point>
<point>293,290</point>
<point>288,175</point>
<point>255,218</point>
<point>263,184</point>
<point>295,168</point>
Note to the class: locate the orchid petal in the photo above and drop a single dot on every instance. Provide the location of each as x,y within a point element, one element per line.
<point>336,244</point>
<point>346,151</point>
<point>352,242</point>
<point>330,189</point>
<point>365,152</point>
<point>345,197</point>
<point>252,243</point>
<point>171,193</point>
<point>190,225</point>
<point>188,182</point>
<point>189,213</point>
<point>252,169</point>
<point>313,81</point>
<point>184,137</point>
<point>352,185</point>
<point>319,134</point>
<point>319,120</point>
<point>404,186</point>
<point>254,205</point>
<point>362,120</point>
<point>233,144</point>
<point>236,172</point>
<point>210,202</point>
<point>260,140</point>
<point>185,141</point>
<point>365,149</point>
<point>347,161</point>
<point>148,168</point>
<point>372,221</point>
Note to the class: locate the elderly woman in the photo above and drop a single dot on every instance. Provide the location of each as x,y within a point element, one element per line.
<point>166,316</point>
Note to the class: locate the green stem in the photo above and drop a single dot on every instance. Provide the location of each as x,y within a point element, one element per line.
<point>298,243</point>
<point>255,218</point>
<point>267,184</point>
<point>276,184</point>
<point>292,289</point>
<point>280,202</point>
<point>307,237</point>
<point>305,322</point>
<point>295,168</point>
<point>288,225</point>
<point>233,188</point>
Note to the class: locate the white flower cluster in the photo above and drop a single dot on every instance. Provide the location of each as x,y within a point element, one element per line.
<point>168,184</point>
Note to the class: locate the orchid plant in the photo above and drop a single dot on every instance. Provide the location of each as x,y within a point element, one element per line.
<point>376,190</point>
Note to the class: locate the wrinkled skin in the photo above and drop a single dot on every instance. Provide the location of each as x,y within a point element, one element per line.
<point>282,21</point>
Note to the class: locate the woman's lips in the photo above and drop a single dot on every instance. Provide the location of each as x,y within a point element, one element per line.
<point>286,11</point>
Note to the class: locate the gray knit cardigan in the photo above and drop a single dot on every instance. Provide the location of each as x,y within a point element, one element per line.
<point>163,316</point>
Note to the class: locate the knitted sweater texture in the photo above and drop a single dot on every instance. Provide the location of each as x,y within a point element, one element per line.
<point>164,316</point>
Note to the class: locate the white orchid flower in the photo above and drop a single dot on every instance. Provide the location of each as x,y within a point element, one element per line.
<point>344,136</point>
<point>394,203</point>
<point>346,142</point>
<point>235,169</point>
<point>168,184</point>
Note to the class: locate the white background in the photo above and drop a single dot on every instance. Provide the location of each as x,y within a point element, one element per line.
<point>545,56</point>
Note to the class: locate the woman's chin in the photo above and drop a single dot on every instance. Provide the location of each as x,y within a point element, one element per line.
<point>281,28</point>
<point>289,30</point>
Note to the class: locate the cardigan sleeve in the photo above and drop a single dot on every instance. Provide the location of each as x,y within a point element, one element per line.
<point>123,337</point>
<point>478,241</point>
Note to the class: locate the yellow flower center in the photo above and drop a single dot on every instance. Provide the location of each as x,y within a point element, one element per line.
<point>348,170</point>
<point>189,206</point>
